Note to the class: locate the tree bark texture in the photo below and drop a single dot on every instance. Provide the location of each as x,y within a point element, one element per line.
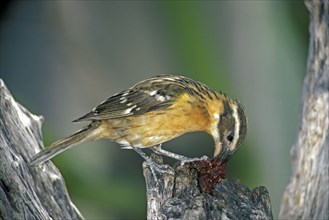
<point>178,196</point>
<point>307,195</point>
<point>27,192</point>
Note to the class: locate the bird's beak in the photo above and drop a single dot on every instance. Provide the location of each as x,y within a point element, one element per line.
<point>222,153</point>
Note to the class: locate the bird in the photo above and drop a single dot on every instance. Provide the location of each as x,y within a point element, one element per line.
<point>155,111</point>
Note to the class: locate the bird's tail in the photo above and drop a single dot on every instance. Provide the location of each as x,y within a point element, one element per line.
<point>90,132</point>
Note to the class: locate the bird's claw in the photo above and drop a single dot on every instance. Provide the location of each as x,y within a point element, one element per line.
<point>189,160</point>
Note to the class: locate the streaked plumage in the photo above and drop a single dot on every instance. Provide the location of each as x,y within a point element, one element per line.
<point>159,109</point>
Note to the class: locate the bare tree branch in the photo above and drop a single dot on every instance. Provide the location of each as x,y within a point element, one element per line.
<point>307,195</point>
<point>178,196</point>
<point>27,192</point>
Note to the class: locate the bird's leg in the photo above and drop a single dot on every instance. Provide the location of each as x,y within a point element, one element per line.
<point>157,149</point>
<point>153,165</point>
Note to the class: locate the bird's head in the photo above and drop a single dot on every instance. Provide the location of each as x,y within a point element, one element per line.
<point>231,130</point>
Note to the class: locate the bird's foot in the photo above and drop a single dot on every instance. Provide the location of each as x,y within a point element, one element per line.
<point>189,160</point>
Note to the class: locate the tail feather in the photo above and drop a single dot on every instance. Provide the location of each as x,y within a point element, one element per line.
<point>91,132</point>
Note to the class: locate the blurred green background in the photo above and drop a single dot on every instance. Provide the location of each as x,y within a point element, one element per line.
<point>62,58</point>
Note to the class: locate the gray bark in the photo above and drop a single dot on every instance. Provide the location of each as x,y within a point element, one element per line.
<point>178,196</point>
<point>27,192</point>
<point>307,195</point>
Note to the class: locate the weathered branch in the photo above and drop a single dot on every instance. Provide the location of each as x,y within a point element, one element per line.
<point>307,195</point>
<point>178,196</point>
<point>27,192</point>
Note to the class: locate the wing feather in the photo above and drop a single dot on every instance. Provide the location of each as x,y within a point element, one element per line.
<point>153,94</point>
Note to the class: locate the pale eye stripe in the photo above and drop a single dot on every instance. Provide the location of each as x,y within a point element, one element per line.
<point>237,124</point>
<point>214,129</point>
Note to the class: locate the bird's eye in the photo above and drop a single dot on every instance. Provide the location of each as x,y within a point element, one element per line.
<point>230,138</point>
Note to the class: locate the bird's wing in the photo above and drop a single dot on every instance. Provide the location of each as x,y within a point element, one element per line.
<point>153,94</point>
